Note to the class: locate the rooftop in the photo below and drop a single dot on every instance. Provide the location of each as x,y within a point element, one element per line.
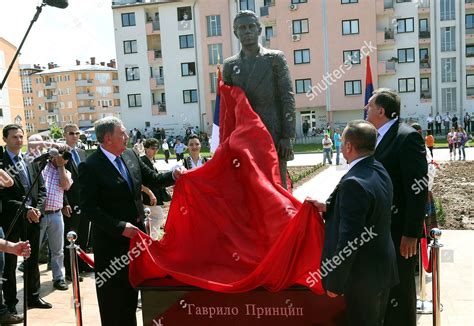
<point>76,68</point>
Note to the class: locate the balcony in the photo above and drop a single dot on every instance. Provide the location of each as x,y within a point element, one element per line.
<point>118,3</point>
<point>50,85</point>
<point>84,82</point>
<point>157,83</point>
<point>158,109</point>
<point>86,109</point>
<point>153,27</point>
<point>425,96</point>
<point>470,92</point>
<point>85,96</point>
<point>469,34</point>
<point>469,4</point>
<point>425,67</point>
<point>155,56</point>
<point>386,68</point>
<point>386,37</point>
<point>51,99</point>
<point>115,82</point>
<point>53,111</point>
<point>384,7</point>
<point>85,123</point>
<point>423,7</point>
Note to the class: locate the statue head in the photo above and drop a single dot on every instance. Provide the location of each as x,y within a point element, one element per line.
<point>247,27</point>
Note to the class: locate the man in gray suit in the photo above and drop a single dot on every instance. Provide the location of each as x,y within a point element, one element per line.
<point>264,76</point>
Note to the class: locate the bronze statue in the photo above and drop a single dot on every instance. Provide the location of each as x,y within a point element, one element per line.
<point>264,76</point>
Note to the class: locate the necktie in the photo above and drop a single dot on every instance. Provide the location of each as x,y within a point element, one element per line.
<point>75,157</point>
<point>123,171</point>
<point>22,171</point>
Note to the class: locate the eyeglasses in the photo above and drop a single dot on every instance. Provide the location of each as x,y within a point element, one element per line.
<point>72,133</point>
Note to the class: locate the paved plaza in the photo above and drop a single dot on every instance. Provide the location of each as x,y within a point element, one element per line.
<point>457,261</point>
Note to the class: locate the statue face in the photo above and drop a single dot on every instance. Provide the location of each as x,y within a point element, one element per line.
<point>247,30</point>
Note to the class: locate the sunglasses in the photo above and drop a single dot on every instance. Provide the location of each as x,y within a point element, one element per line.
<point>72,133</point>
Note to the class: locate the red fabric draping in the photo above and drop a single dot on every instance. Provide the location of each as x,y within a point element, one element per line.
<point>231,226</point>
<point>425,257</point>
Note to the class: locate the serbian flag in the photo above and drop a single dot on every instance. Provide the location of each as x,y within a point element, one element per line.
<point>231,226</point>
<point>369,87</point>
<point>215,124</point>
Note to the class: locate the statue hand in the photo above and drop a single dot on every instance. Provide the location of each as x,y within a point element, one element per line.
<point>285,149</point>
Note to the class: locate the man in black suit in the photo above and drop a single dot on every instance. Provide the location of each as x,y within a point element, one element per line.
<point>23,171</point>
<point>359,257</point>
<point>73,219</point>
<point>401,150</point>
<point>110,183</point>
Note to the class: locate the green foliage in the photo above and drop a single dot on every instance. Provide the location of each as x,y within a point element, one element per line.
<point>56,132</point>
<point>441,216</point>
<point>298,175</point>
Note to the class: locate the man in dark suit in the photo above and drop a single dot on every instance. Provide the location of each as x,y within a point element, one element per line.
<point>23,171</point>
<point>401,150</point>
<point>73,219</point>
<point>264,76</point>
<point>110,183</point>
<point>359,257</point>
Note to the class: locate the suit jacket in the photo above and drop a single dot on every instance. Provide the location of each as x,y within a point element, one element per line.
<point>13,196</point>
<point>402,152</point>
<point>357,231</point>
<point>107,201</point>
<point>268,87</point>
<point>72,195</point>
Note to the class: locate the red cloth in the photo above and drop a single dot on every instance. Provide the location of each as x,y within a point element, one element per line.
<point>231,226</point>
<point>425,257</point>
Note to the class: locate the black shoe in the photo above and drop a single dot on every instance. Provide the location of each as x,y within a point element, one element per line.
<point>86,269</point>
<point>9,318</point>
<point>68,278</point>
<point>40,304</point>
<point>21,268</point>
<point>60,285</point>
<point>12,310</point>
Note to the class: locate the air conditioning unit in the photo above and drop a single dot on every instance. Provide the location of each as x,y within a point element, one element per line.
<point>296,37</point>
<point>293,7</point>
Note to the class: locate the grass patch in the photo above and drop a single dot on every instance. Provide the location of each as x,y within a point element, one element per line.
<point>299,173</point>
<point>440,215</point>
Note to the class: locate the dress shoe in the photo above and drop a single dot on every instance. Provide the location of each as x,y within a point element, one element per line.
<point>9,318</point>
<point>21,268</point>
<point>60,285</point>
<point>40,304</point>
<point>12,310</point>
<point>68,278</point>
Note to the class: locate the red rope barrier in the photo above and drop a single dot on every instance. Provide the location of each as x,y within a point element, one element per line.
<point>86,258</point>
<point>425,257</point>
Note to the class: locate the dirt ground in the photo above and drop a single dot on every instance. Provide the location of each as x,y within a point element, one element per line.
<point>454,187</point>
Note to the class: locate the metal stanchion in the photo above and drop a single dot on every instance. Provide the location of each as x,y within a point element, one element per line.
<point>71,237</point>
<point>435,234</point>
<point>148,220</point>
<point>423,306</point>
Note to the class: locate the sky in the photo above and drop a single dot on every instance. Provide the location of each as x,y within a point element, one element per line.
<point>83,30</point>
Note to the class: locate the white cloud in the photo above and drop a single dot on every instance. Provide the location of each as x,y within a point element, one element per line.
<point>83,29</point>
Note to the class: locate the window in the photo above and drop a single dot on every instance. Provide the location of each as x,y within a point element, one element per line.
<point>469,22</point>
<point>405,25</point>
<point>406,85</point>
<point>423,24</point>
<point>130,46</point>
<point>1,112</point>
<point>214,26</point>
<point>188,69</point>
<point>247,5</point>
<point>350,27</point>
<point>448,99</point>
<point>190,96</point>
<point>268,32</point>
<point>351,57</point>
<point>128,19</point>
<point>295,2</point>
<point>406,55</point>
<point>352,87</point>
<point>134,100</point>
<point>303,86</point>
<point>132,73</point>
<point>447,10</point>
<point>470,50</point>
<point>425,84</point>
<point>448,70</point>
<point>470,83</point>
<point>213,78</point>
<point>424,58</point>
<point>302,56</point>
<point>345,2</point>
<point>186,41</point>
<point>215,53</point>
<point>447,39</point>
<point>300,26</point>
<point>184,13</point>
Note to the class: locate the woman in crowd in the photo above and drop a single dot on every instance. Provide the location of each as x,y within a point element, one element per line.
<point>154,197</point>
<point>461,138</point>
<point>194,159</point>
<point>452,143</point>
<point>429,141</point>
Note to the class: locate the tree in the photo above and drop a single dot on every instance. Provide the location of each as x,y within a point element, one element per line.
<point>56,132</point>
